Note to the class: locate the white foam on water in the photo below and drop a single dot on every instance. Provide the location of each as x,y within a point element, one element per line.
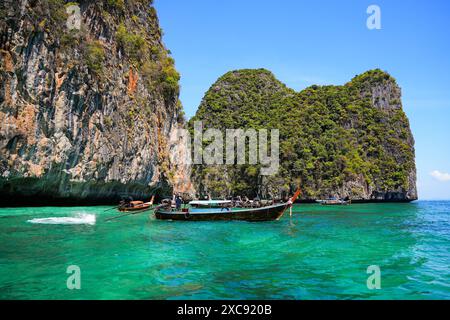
<point>81,218</point>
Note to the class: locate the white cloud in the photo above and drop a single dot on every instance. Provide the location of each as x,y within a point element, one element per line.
<point>441,176</point>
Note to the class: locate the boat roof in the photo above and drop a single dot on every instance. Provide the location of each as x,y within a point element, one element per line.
<point>220,211</point>
<point>209,202</point>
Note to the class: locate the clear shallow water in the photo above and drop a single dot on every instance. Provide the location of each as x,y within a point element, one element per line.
<point>319,253</point>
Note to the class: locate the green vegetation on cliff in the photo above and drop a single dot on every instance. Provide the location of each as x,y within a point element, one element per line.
<point>352,140</point>
<point>134,25</point>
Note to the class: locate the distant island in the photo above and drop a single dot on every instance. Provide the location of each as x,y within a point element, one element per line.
<point>87,117</point>
<point>351,141</point>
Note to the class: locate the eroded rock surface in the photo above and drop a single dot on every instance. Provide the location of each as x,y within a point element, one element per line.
<point>86,114</point>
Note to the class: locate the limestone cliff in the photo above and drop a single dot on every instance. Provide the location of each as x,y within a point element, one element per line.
<point>88,103</point>
<point>343,141</point>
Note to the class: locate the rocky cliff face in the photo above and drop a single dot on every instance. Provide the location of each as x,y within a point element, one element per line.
<point>88,103</point>
<point>343,141</point>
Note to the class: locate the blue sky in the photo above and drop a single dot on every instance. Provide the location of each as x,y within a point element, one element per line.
<point>325,42</point>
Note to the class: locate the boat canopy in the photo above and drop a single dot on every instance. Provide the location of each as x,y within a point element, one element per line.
<point>209,202</point>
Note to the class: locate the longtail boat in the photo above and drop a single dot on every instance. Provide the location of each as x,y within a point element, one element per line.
<point>334,202</point>
<point>136,206</point>
<point>268,213</point>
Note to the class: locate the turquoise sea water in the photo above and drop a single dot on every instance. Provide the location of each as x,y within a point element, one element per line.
<point>318,253</point>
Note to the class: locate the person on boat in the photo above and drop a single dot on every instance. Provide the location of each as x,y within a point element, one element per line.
<point>178,203</point>
<point>257,202</point>
<point>226,206</point>
<point>125,202</point>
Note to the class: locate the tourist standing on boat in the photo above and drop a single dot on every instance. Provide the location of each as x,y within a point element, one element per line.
<point>178,202</point>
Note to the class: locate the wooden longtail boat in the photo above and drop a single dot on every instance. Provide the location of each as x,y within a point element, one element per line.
<point>136,206</point>
<point>269,213</point>
<point>260,214</point>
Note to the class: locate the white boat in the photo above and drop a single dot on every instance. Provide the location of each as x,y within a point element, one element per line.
<point>210,203</point>
<point>334,202</point>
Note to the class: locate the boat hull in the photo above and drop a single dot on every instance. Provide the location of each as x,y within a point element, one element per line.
<point>270,213</point>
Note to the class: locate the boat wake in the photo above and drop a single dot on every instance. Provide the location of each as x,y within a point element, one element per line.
<point>82,218</point>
